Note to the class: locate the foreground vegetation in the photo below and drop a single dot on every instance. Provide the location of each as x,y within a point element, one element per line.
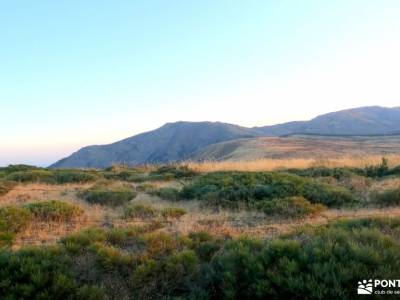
<point>145,263</point>
<point>149,242</point>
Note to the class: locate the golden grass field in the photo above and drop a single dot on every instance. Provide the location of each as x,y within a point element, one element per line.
<point>270,164</point>
<point>221,222</point>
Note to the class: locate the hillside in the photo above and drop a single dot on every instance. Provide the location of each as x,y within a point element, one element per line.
<point>189,140</point>
<point>171,142</point>
<point>372,120</point>
<point>300,146</point>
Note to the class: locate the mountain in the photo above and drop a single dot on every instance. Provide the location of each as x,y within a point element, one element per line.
<point>371,120</point>
<point>171,142</point>
<point>194,140</point>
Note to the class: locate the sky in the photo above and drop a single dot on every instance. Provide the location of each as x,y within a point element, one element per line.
<point>75,73</point>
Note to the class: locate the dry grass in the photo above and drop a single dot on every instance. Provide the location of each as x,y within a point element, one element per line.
<point>298,163</point>
<point>221,222</point>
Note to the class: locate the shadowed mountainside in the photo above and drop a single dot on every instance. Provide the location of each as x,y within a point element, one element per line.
<point>189,140</point>
<point>171,142</point>
<point>372,120</point>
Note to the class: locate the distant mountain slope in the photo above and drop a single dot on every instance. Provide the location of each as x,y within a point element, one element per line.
<point>372,120</point>
<point>299,146</point>
<point>171,142</point>
<point>187,140</point>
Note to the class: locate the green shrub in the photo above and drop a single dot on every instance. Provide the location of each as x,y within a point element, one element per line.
<point>379,170</point>
<point>314,262</point>
<point>145,187</point>
<point>173,212</point>
<point>13,219</point>
<point>54,210</point>
<point>235,189</point>
<point>166,193</point>
<point>41,274</point>
<point>73,176</point>
<point>387,198</point>
<point>291,207</point>
<point>59,176</point>
<point>18,168</point>
<point>77,242</point>
<point>108,195</point>
<point>329,195</point>
<point>124,174</point>
<point>173,171</point>
<point>31,176</point>
<point>139,211</point>
<point>338,173</point>
<point>321,263</point>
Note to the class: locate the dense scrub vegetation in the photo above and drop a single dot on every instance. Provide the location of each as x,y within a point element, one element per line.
<point>23,173</point>
<point>140,263</point>
<point>54,210</point>
<point>236,189</point>
<point>14,219</point>
<point>109,194</point>
<point>389,197</point>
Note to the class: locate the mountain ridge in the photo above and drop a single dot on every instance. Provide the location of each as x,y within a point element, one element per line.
<point>182,140</point>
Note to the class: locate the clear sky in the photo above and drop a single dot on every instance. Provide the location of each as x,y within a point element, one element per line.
<point>74,73</point>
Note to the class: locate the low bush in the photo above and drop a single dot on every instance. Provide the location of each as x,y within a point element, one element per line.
<point>338,173</point>
<point>42,274</point>
<point>73,176</point>
<point>145,187</point>
<point>59,176</point>
<point>173,171</point>
<point>139,211</point>
<point>109,195</point>
<point>291,207</point>
<point>31,176</point>
<point>18,168</point>
<point>173,212</point>
<point>54,211</point>
<point>122,173</point>
<point>387,198</point>
<point>379,170</point>
<point>235,189</point>
<point>166,193</point>
<point>13,219</point>
<point>314,262</point>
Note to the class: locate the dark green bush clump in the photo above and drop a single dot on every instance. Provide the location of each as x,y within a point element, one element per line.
<point>31,176</point>
<point>53,176</point>
<point>73,176</point>
<point>18,168</point>
<point>323,262</point>
<point>379,170</point>
<point>173,172</point>
<point>139,211</point>
<point>338,173</point>
<point>387,198</point>
<point>13,219</point>
<point>42,274</point>
<point>291,207</point>
<point>166,193</point>
<point>54,211</point>
<point>233,189</point>
<point>109,195</point>
<point>173,212</point>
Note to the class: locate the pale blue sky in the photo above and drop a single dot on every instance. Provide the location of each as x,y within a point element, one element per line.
<point>74,73</point>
